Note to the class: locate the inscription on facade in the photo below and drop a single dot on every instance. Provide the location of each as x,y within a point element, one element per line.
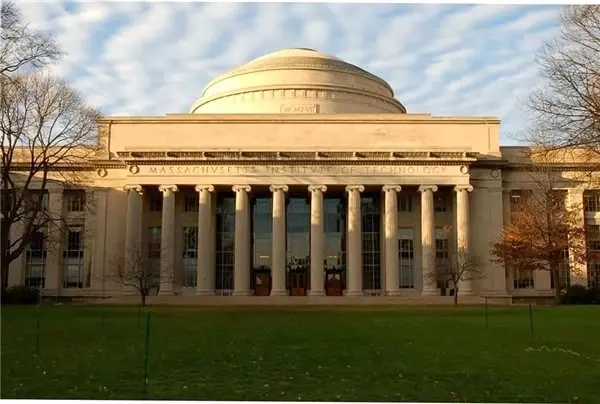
<point>282,170</point>
<point>299,109</point>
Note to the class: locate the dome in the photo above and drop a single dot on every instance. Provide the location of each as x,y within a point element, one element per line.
<point>297,80</point>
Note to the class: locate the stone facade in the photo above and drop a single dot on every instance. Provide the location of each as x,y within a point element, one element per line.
<point>337,195</point>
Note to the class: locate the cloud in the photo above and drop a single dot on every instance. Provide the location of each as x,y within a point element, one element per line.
<point>156,58</point>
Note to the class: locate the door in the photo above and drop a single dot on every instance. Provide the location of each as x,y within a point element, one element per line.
<point>262,286</point>
<point>334,284</point>
<point>298,283</point>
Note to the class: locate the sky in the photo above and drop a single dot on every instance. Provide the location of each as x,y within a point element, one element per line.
<point>152,58</point>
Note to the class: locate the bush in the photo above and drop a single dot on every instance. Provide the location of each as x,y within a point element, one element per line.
<point>575,294</point>
<point>593,296</point>
<point>20,295</point>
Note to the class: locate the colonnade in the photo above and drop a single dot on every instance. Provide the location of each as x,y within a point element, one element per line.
<point>242,239</point>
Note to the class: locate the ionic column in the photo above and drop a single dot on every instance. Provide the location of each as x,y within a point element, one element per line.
<point>133,228</point>
<point>354,252</point>
<point>167,240</point>
<point>391,239</point>
<point>241,276</point>
<point>428,239</point>
<point>465,287</point>
<point>317,242</point>
<point>278,238</point>
<point>204,264</point>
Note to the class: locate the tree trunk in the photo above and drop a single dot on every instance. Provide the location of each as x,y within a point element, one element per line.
<point>456,296</point>
<point>5,264</point>
<point>557,286</point>
<point>143,299</point>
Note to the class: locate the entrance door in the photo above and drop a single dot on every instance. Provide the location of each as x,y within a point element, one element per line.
<point>298,283</point>
<point>262,284</point>
<point>334,284</point>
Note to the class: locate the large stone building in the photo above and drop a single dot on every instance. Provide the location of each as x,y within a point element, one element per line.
<point>295,174</point>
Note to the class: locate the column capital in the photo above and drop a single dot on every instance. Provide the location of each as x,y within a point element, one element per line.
<point>359,188</point>
<point>424,188</point>
<point>240,188</point>
<point>209,188</point>
<point>136,188</point>
<point>165,188</point>
<point>274,188</point>
<point>388,188</point>
<point>317,188</point>
<point>468,188</point>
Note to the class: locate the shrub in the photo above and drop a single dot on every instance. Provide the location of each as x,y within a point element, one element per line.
<point>575,294</point>
<point>20,295</point>
<point>593,296</point>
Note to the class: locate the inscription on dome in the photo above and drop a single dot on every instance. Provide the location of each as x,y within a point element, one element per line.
<point>299,108</point>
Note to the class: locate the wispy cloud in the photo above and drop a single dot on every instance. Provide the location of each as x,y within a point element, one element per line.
<point>155,58</point>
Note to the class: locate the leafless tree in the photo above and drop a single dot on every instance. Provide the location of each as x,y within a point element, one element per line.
<point>457,268</point>
<point>22,48</point>
<point>566,110</point>
<point>137,272</point>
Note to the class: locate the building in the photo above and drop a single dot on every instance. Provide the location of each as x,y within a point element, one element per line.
<point>295,174</point>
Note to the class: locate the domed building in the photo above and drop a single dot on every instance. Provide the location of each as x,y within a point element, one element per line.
<point>296,174</point>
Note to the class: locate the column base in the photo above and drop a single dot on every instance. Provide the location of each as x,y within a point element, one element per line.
<point>316,293</point>
<point>205,293</point>
<point>430,292</point>
<point>241,293</point>
<point>354,293</point>
<point>278,293</point>
<point>393,293</point>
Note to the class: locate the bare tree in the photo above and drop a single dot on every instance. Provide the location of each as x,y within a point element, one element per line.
<point>48,133</point>
<point>137,272</point>
<point>566,110</point>
<point>22,48</point>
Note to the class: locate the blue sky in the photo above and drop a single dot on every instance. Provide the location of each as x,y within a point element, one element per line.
<point>136,58</point>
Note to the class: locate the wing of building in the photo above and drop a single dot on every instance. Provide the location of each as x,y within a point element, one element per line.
<point>294,174</point>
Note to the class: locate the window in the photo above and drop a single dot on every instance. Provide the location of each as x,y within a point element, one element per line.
<point>523,279</point>
<point>156,201</point>
<point>36,200</point>
<point>564,272</point>
<point>593,248</point>
<point>591,201</point>
<point>73,258</point>
<point>154,239</point>
<point>516,200</point>
<point>371,239</point>
<point>75,200</point>
<point>35,261</point>
<point>191,202</point>
<point>225,218</point>
<point>442,254</point>
<point>406,258</point>
<point>190,256</point>
<point>442,203</point>
<point>404,203</point>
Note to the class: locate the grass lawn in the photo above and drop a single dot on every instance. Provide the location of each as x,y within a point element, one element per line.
<point>308,354</point>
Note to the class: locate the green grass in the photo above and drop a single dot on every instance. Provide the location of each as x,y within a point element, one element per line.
<point>308,354</point>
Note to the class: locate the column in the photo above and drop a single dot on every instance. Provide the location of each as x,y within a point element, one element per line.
<point>54,242</point>
<point>167,240</point>
<point>317,240</point>
<point>465,287</point>
<point>204,263</point>
<point>391,239</point>
<point>579,273</point>
<point>354,236</point>
<point>241,277</point>
<point>428,240</point>
<point>278,239</point>
<point>133,229</point>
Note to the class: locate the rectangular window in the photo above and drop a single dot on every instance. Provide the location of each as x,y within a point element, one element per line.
<point>591,201</point>
<point>75,200</point>
<point>371,238</point>
<point>442,254</point>
<point>442,203</point>
<point>191,202</point>
<point>154,242</point>
<point>225,210</point>
<point>156,201</point>
<point>36,200</point>
<point>35,257</point>
<point>593,248</point>
<point>190,256</point>
<point>73,258</point>
<point>523,279</point>
<point>406,258</point>
<point>564,272</point>
<point>516,200</point>
<point>404,203</point>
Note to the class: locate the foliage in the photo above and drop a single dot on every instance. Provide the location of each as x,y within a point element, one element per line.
<point>20,295</point>
<point>566,110</point>
<point>579,294</point>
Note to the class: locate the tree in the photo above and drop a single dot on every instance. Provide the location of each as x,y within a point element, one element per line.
<point>566,110</point>
<point>545,231</point>
<point>457,268</point>
<point>22,48</point>
<point>137,272</point>
<point>48,134</point>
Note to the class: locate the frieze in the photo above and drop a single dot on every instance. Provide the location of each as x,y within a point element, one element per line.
<point>298,170</point>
